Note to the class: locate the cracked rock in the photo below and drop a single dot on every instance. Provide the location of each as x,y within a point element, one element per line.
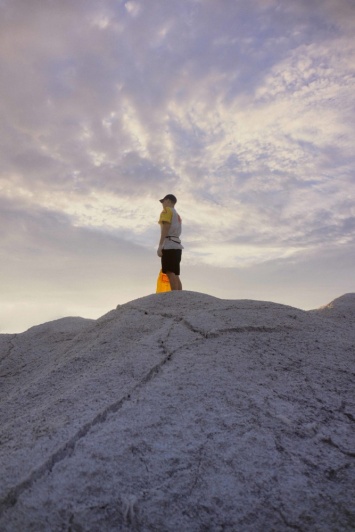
<point>181,411</point>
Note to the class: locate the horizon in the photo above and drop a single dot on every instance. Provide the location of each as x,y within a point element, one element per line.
<point>322,307</point>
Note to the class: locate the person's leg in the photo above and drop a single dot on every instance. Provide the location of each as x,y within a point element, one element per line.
<point>175,282</point>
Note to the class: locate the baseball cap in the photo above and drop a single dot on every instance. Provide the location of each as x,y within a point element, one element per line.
<point>170,197</point>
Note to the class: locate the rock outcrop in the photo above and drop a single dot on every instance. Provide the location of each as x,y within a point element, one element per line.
<point>181,412</point>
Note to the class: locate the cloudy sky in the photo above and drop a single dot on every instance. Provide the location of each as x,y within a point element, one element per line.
<point>243,109</point>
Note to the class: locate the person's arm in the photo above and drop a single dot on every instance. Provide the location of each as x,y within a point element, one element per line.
<point>165,227</point>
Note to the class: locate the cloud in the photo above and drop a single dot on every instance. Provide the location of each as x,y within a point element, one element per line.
<point>47,263</point>
<point>245,112</point>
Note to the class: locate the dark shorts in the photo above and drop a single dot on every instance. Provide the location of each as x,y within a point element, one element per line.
<point>170,261</point>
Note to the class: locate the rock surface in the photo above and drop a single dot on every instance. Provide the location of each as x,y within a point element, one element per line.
<point>181,412</point>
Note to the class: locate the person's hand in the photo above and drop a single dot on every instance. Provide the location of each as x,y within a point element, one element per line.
<point>159,252</point>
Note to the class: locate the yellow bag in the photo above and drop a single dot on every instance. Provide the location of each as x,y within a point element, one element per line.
<point>163,283</point>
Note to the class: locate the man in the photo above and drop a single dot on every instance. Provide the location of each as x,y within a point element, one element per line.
<point>170,247</point>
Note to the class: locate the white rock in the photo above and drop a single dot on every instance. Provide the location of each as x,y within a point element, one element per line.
<point>181,412</point>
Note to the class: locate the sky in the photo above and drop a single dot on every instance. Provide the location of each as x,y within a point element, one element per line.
<point>245,110</point>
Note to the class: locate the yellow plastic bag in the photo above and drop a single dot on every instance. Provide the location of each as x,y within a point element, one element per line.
<point>163,283</point>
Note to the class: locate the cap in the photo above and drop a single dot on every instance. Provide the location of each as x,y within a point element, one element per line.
<point>170,197</point>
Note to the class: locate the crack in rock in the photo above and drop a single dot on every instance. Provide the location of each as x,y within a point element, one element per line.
<point>68,448</point>
<point>330,442</point>
<point>197,475</point>
<point>215,333</point>
<point>10,348</point>
<point>286,521</point>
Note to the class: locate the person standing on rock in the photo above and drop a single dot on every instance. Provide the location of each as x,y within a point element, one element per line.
<point>170,248</point>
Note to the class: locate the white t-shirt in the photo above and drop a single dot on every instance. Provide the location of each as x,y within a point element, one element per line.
<point>172,241</point>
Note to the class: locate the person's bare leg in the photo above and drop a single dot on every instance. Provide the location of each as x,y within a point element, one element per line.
<point>175,282</point>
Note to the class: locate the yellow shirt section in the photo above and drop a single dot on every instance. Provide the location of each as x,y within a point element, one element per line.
<point>166,215</point>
